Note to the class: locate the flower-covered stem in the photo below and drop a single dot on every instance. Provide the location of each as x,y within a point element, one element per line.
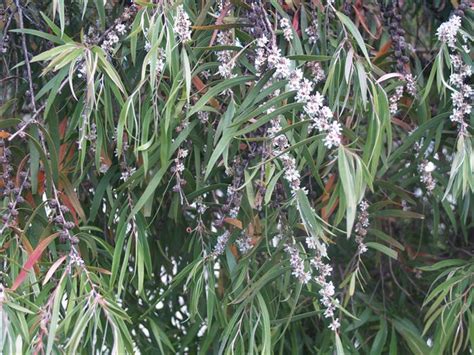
<point>178,169</point>
<point>9,189</point>
<point>222,240</point>
<point>182,24</point>
<point>297,264</point>
<point>361,227</point>
<point>119,29</point>
<point>225,57</point>
<point>462,94</point>
<point>244,243</point>
<point>287,29</point>
<point>395,98</point>
<point>327,290</point>
<point>425,167</point>
<point>231,207</point>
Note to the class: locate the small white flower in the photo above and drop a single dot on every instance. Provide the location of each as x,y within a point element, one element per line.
<point>294,79</point>
<point>311,243</point>
<point>304,90</point>
<point>429,167</point>
<point>334,325</point>
<point>312,32</point>
<point>287,30</point>
<point>333,137</point>
<point>260,58</point>
<point>283,68</point>
<point>362,248</point>
<point>182,153</point>
<point>113,38</point>
<point>121,29</point>
<point>410,84</point>
<point>244,243</point>
<point>203,116</point>
<point>179,167</point>
<point>317,71</point>
<point>262,41</point>
<point>147,46</point>
<point>394,100</point>
<point>225,70</point>
<point>314,104</point>
<point>418,192</point>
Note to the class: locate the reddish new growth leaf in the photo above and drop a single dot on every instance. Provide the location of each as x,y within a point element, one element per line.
<point>32,260</point>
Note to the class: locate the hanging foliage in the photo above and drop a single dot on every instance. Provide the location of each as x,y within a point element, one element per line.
<point>236,177</point>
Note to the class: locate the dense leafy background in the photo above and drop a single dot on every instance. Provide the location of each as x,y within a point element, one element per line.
<point>127,157</point>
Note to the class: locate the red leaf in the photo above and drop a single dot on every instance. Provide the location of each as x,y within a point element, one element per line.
<point>32,260</point>
<point>62,128</point>
<point>235,222</point>
<point>53,269</point>
<point>198,83</point>
<point>384,49</point>
<point>296,23</point>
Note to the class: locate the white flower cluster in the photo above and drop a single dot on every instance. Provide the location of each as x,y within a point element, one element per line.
<point>312,32</point>
<point>282,65</point>
<point>395,98</point>
<point>297,265</point>
<point>147,46</point>
<point>425,168</point>
<point>410,84</point>
<point>110,41</point>
<point>222,240</point>
<point>182,24</point>
<point>280,143</point>
<point>75,260</point>
<point>448,31</point>
<point>234,197</point>
<point>178,161</point>
<point>81,69</point>
<point>320,115</point>
<point>225,57</point>
<point>161,60</point>
<point>311,242</point>
<point>260,53</point>
<point>178,169</point>
<point>361,227</point>
<point>203,117</point>
<point>244,243</point>
<point>127,173</point>
<point>317,71</point>
<point>112,37</point>
<point>287,30</point>
<point>322,272</point>
<point>463,95</point>
<point>200,206</point>
<point>121,29</point>
<point>327,290</point>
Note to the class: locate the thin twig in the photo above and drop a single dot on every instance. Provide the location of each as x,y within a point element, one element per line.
<point>26,54</point>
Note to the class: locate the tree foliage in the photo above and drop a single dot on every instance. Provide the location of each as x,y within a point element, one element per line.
<point>236,177</point>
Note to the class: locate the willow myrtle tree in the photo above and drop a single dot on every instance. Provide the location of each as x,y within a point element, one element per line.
<point>236,177</point>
